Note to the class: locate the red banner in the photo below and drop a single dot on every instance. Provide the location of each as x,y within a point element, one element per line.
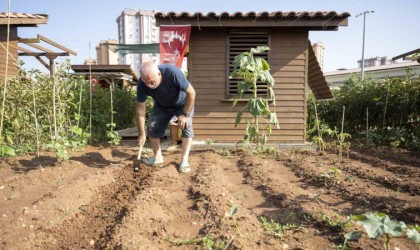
<point>173,43</point>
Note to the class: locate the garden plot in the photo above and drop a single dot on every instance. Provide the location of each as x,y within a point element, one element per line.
<point>234,199</point>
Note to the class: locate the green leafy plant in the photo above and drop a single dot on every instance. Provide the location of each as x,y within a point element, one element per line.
<point>224,152</point>
<point>206,243</point>
<point>277,230</point>
<point>340,143</point>
<point>349,178</point>
<point>334,171</point>
<point>329,178</point>
<point>413,234</point>
<point>209,141</point>
<point>379,224</point>
<point>320,129</point>
<point>353,235</point>
<point>393,106</point>
<point>230,214</point>
<point>59,145</point>
<point>184,242</point>
<point>265,151</point>
<point>335,222</point>
<point>209,244</point>
<point>54,113</point>
<point>318,139</point>
<point>113,137</point>
<point>6,150</point>
<point>272,228</point>
<point>296,151</point>
<point>250,70</point>
<point>80,137</point>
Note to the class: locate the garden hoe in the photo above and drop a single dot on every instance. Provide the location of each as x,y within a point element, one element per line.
<point>137,162</point>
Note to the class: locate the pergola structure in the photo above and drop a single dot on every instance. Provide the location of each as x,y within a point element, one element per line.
<point>49,54</point>
<point>10,42</point>
<point>9,39</point>
<point>110,74</point>
<point>412,55</point>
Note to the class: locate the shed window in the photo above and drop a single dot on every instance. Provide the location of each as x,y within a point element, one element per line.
<point>241,41</point>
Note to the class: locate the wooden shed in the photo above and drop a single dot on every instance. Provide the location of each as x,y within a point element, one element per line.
<point>16,20</point>
<point>217,38</point>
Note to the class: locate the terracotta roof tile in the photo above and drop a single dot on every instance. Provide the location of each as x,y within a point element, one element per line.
<point>252,14</point>
<point>23,15</point>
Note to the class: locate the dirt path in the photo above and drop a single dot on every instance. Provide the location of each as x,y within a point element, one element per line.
<point>95,200</point>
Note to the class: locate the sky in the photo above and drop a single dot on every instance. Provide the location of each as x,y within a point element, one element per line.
<point>391,30</point>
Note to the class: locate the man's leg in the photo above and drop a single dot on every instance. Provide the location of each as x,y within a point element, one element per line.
<point>157,151</point>
<point>156,127</point>
<point>187,137</point>
<point>186,147</point>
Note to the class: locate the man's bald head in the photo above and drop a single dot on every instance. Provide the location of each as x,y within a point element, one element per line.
<point>150,74</point>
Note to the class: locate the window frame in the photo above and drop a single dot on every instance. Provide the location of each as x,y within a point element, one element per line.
<point>228,93</point>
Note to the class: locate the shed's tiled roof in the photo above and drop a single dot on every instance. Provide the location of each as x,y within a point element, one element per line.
<point>252,14</point>
<point>23,15</point>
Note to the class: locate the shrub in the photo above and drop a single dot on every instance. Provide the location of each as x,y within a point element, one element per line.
<point>54,112</point>
<point>393,104</point>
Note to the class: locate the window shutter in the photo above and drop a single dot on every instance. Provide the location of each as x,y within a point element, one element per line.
<point>242,41</point>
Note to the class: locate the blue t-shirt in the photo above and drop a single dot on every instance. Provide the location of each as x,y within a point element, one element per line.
<point>171,91</point>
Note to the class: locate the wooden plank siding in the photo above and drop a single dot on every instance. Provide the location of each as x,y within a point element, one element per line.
<point>12,67</point>
<point>207,63</point>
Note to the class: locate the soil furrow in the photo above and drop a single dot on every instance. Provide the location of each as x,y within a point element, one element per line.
<point>363,195</point>
<point>164,215</point>
<point>322,210</point>
<point>296,202</point>
<point>385,179</point>
<point>389,177</point>
<point>98,221</point>
<point>396,157</point>
<point>398,169</point>
<point>217,195</point>
<point>305,197</point>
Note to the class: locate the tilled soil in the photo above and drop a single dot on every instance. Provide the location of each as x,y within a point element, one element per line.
<point>95,200</point>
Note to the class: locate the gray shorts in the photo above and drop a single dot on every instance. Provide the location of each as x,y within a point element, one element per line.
<point>159,120</point>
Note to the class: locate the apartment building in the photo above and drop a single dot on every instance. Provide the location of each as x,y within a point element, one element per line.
<point>319,48</point>
<point>89,62</point>
<point>376,61</point>
<point>137,27</point>
<point>336,79</point>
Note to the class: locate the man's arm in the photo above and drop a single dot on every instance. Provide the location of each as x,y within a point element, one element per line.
<point>140,119</point>
<point>189,103</point>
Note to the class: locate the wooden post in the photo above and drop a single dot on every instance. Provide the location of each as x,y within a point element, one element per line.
<point>111,88</point>
<point>367,126</point>
<point>386,105</point>
<point>52,66</point>
<point>320,139</point>
<point>36,119</point>
<point>341,139</point>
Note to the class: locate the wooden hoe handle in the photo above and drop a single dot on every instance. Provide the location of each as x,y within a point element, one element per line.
<point>139,154</point>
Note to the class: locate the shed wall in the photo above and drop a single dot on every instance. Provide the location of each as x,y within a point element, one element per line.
<point>214,119</point>
<point>13,49</point>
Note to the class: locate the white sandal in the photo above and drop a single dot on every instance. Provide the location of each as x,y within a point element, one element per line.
<point>151,161</point>
<point>184,167</point>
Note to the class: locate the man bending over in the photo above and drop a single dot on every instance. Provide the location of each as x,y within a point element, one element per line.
<point>173,95</point>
